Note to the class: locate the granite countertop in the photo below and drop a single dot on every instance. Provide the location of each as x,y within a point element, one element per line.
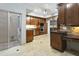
<point>30,27</point>
<point>68,36</point>
<point>58,31</point>
<point>72,36</point>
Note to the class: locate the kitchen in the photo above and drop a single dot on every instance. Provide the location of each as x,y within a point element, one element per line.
<point>51,28</point>
<point>64,29</point>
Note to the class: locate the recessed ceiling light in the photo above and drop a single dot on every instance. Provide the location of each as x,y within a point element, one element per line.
<point>69,5</point>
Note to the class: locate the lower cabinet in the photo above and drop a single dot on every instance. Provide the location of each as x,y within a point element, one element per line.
<point>29,36</point>
<point>57,41</point>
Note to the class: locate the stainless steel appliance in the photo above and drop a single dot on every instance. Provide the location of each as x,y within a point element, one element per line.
<point>41,27</point>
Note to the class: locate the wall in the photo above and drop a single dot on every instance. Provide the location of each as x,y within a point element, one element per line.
<point>19,8</point>
<point>48,21</point>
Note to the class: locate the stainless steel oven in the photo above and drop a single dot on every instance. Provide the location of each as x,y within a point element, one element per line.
<point>41,27</point>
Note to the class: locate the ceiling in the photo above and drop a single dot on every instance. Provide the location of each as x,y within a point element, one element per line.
<point>30,5</point>
<point>48,6</point>
<point>40,7</point>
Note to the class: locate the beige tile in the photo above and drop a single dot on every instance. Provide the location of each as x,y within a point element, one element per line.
<point>39,47</point>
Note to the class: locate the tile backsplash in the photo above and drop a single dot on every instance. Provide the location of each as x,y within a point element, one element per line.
<point>73,30</point>
<point>70,29</point>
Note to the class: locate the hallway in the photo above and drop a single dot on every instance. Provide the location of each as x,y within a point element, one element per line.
<point>39,47</point>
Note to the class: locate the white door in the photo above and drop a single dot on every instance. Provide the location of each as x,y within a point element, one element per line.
<point>14,29</point>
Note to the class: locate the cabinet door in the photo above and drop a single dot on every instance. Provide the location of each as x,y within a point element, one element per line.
<point>56,41</point>
<point>28,20</point>
<point>69,14</point>
<point>45,28</point>
<point>32,22</point>
<point>76,14</point>
<point>61,13</point>
<point>37,30</point>
<point>72,17</point>
<point>29,36</point>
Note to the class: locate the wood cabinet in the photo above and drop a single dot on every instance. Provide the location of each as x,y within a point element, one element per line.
<point>61,13</point>
<point>32,22</point>
<point>37,31</point>
<point>68,14</point>
<point>72,14</point>
<point>57,41</point>
<point>29,36</point>
<point>37,21</point>
<point>46,27</point>
<point>28,21</point>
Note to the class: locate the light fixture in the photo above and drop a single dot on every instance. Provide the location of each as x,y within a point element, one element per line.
<point>45,12</point>
<point>69,5</point>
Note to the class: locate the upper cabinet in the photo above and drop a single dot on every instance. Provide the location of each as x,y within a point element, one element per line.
<point>72,14</point>
<point>61,13</point>
<point>68,14</point>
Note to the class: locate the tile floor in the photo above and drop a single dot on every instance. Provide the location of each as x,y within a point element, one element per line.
<point>39,47</point>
